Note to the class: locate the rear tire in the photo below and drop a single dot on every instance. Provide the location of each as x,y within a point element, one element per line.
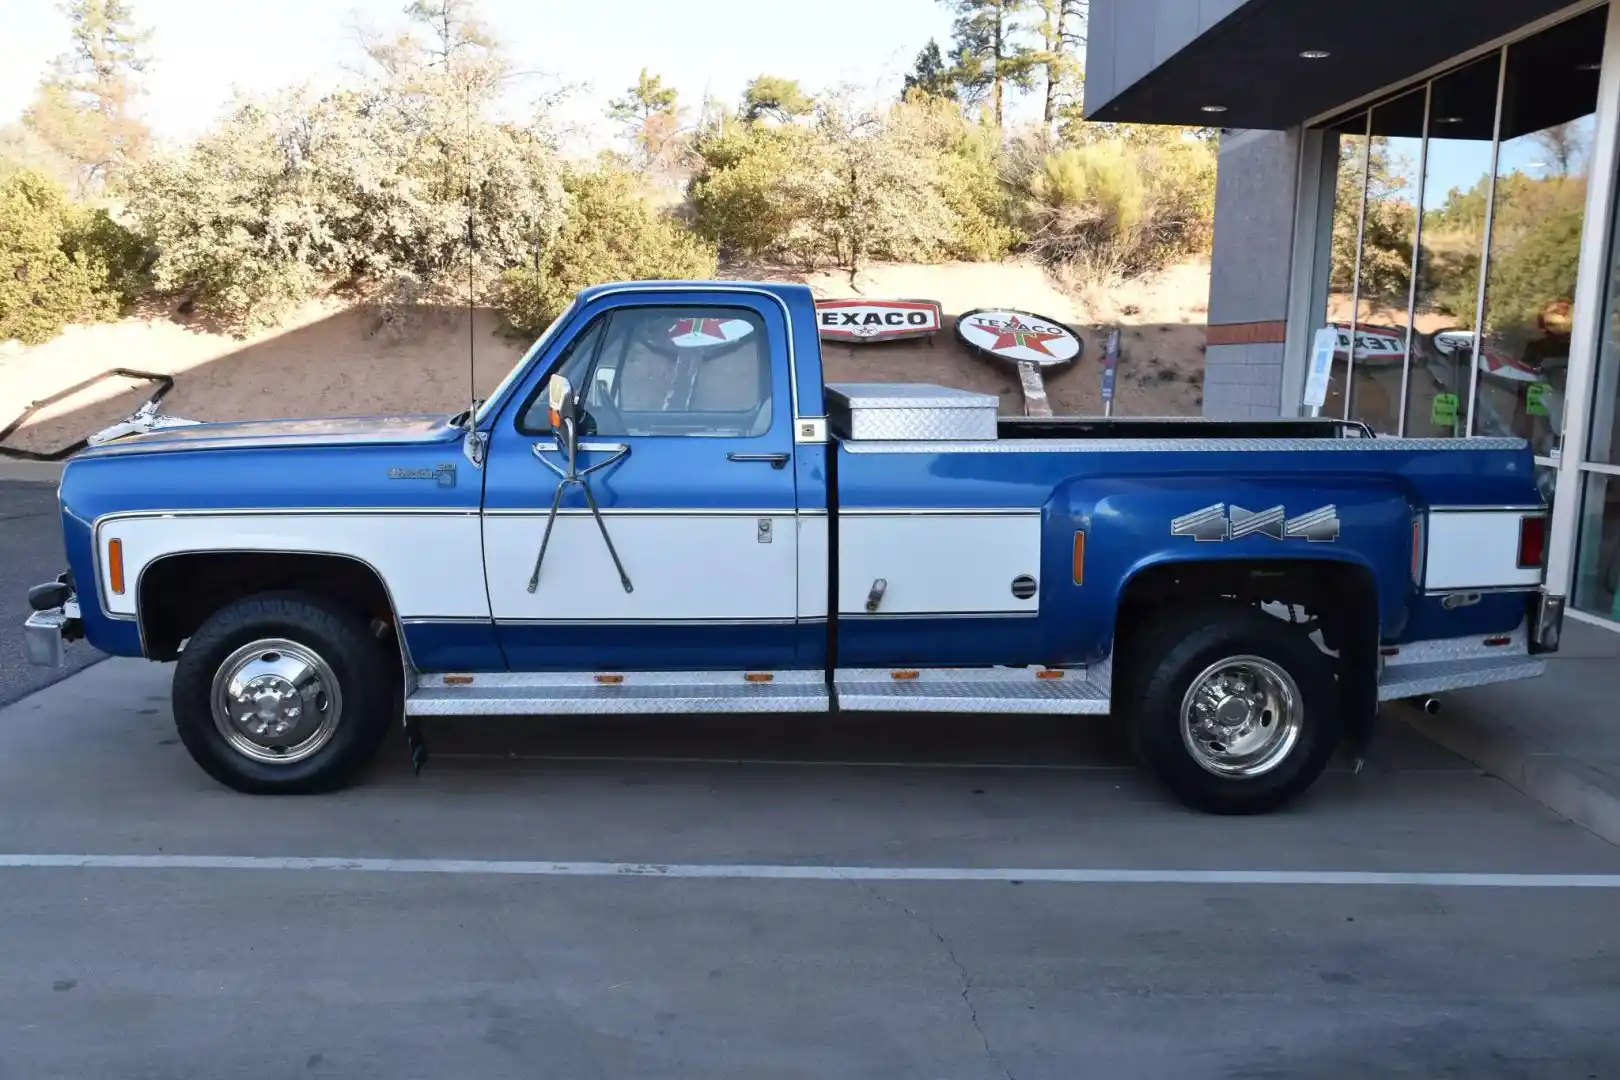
<point>1234,711</point>
<point>283,693</point>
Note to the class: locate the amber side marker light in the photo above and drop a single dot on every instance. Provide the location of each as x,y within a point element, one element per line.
<point>1079,558</point>
<point>458,680</point>
<point>903,674</point>
<point>758,676</point>
<point>610,680</point>
<point>115,565</point>
<point>1049,674</point>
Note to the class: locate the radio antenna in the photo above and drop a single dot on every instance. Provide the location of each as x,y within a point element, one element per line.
<point>472,241</point>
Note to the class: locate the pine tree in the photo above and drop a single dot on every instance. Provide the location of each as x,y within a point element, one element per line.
<point>84,110</point>
<point>991,50</point>
<point>930,76</point>
<point>650,114</point>
<point>772,95</point>
<point>1062,30</point>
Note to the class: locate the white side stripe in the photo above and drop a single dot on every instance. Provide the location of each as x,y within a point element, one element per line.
<point>504,868</point>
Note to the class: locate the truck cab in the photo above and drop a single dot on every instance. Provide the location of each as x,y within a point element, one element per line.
<point>663,508</point>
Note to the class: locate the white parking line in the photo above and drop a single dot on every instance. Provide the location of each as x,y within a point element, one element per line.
<point>789,872</point>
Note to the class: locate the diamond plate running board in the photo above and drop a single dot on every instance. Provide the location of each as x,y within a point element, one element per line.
<point>1437,677</point>
<point>970,690</point>
<point>591,694</point>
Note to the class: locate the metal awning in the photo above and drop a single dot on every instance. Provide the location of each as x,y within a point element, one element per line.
<point>1249,61</point>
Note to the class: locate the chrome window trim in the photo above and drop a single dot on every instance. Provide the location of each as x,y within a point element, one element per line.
<point>1485,252</point>
<point>1417,254</point>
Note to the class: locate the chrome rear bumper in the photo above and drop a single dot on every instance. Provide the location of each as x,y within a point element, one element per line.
<point>1546,622</point>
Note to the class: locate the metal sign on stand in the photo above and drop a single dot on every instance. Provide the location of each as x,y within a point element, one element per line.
<point>1316,383</point>
<point>1110,365</point>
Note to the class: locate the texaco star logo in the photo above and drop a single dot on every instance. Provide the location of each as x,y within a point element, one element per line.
<point>1016,335</point>
<point>707,328</point>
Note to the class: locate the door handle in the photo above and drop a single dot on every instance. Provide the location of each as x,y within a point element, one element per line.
<point>776,461</point>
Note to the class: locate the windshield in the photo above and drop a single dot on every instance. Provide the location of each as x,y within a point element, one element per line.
<point>489,403</point>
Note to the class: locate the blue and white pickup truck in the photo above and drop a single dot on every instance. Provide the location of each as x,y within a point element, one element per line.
<point>662,509</point>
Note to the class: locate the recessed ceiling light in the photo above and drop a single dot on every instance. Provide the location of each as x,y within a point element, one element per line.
<point>1587,67</point>
<point>1314,54</point>
<point>1448,119</point>
<point>1213,108</point>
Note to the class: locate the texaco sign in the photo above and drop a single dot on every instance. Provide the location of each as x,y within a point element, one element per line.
<point>1018,336</point>
<point>876,320</point>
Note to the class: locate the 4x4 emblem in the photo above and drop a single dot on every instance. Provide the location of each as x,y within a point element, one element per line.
<point>1220,522</point>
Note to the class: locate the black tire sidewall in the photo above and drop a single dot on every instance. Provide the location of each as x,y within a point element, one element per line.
<point>1168,669</point>
<point>364,678</point>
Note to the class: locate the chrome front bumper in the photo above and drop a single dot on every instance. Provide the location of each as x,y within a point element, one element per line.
<point>45,633</point>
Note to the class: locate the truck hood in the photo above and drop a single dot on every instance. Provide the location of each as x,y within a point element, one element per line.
<point>265,434</point>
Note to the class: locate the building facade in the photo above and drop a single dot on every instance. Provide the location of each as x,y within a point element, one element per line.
<point>1435,181</point>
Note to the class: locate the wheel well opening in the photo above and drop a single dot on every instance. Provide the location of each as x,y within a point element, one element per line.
<point>1333,601</point>
<point>178,593</point>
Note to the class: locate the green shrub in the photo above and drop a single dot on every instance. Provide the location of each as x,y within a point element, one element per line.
<point>59,263</point>
<point>291,194</point>
<point>608,234</point>
<point>1123,204</point>
<point>757,191</point>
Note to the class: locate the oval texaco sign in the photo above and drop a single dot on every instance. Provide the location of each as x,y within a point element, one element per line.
<point>876,320</point>
<point>1016,336</point>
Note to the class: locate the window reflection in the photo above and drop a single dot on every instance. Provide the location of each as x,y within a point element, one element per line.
<point>1548,99</point>
<point>1457,182</point>
<point>1389,225</point>
<point>1597,567</point>
<point>1349,184</point>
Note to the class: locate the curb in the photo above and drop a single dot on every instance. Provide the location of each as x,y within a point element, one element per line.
<point>1563,785</point>
<point>42,472</point>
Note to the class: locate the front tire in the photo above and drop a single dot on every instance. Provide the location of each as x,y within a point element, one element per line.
<point>282,693</point>
<point>1234,711</point>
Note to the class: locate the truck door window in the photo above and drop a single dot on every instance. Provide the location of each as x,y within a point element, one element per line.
<point>669,371</point>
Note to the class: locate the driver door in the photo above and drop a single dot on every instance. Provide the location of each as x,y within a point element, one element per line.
<point>685,405</point>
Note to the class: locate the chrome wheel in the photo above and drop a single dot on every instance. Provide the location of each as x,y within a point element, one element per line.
<point>1241,717</point>
<point>276,701</point>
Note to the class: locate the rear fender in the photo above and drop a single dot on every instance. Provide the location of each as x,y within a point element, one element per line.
<point>1133,524</point>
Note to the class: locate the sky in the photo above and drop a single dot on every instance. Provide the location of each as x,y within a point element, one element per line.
<point>202,49</point>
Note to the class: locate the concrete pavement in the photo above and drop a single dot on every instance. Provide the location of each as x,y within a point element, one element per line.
<point>1556,738</point>
<point>264,972</point>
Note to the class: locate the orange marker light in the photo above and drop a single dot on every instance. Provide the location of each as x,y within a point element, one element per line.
<point>115,565</point>
<point>758,676</point>
<point>1079,558</point>
<point>458,680</point>
<point>904,674</point>
<point>610,680</point>
<point>1049,674</point>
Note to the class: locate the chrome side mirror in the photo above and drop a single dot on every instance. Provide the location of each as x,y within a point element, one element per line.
<point>563,412</point>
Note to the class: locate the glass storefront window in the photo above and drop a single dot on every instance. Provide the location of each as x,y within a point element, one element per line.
<point>1349,185</point>
<point>1389,227</point>
<point>1597,566</point>
<point>1549,96</point>
<point>1456,188</point>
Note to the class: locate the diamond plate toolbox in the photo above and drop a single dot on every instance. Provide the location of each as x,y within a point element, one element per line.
<point>891,411</point>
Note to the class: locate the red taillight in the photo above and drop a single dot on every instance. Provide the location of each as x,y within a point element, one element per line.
<point>1532,542</point>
